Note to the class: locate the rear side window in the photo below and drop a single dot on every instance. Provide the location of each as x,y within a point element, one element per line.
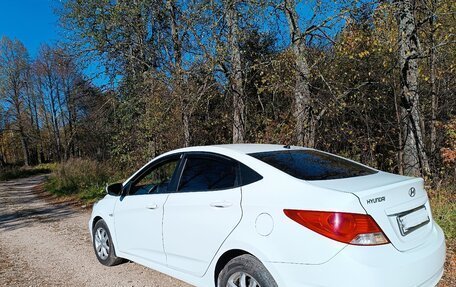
<point>248,175</point>
<point>207,173</point>
<point>312,164</point>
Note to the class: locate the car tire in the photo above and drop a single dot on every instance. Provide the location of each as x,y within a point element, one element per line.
<point>103,246</point>
<point>248,269</point>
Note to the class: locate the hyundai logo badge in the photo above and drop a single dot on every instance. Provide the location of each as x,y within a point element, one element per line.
<point>412,192</point>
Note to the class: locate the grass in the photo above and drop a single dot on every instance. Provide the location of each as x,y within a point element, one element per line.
<point>81,179</point>
<point>13,172</point>
<point>443,203</point>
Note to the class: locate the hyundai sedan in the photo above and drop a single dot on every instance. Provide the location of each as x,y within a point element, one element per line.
<point>253,215</point>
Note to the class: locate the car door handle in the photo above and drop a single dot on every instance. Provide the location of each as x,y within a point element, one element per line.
<point>221,204</point>
<point>152,206</point>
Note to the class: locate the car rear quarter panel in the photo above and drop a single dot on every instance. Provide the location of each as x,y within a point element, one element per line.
<point>289,241</point>
<point>373,266</point>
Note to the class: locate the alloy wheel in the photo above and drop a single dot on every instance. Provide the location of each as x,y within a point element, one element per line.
<point>242,279</point>
<point>102,243</point>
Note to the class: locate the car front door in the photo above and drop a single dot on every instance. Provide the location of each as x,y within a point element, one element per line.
<point>138,215</point>
<point>202,213</point>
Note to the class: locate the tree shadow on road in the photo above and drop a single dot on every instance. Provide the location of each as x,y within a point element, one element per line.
<point>22,206</point>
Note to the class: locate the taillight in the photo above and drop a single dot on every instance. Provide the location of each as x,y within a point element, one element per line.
<point>351,228</point>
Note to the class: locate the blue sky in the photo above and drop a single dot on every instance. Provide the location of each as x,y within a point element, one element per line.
<point>30,21</point>
<point>34,22</point>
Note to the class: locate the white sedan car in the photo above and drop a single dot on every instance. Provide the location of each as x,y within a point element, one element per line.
<point>268,215</point>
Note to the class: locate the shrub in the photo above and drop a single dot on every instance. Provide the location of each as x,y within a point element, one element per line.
<point>81,177</point>
<point>13,172</point>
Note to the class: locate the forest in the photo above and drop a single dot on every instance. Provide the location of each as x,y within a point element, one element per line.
<point>373,81</point>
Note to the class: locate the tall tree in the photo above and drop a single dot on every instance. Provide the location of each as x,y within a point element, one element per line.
<point>432,71</point>
<point>177,69</point>
<point>235,79</point>
<point>14,61</point>
<point>303,112</point>
<point>50,91</point>
<point>415,158</point>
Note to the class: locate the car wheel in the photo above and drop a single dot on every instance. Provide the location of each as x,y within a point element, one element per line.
<point>245,271</point>
<point>102,244</point>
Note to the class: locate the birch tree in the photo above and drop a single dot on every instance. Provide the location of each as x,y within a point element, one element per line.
<point>415,157</point>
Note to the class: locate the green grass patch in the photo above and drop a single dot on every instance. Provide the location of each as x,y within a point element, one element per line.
<point>82,179</point>
<point>92,194</point>
<point>13,172</point>
<point>443,203</point>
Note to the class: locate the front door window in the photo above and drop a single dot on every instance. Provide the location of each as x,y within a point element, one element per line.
<point>155,180</point>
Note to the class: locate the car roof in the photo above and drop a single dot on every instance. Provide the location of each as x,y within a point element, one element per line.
<point>226,149</point>
<point>238,148</point>
<point>251,148</point>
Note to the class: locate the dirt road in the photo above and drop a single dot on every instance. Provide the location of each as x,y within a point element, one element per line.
<point>43,244</point>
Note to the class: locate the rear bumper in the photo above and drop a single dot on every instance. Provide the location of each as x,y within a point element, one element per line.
<point>370,266</point>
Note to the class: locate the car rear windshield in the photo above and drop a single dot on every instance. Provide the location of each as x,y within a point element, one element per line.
<point>312,164</point>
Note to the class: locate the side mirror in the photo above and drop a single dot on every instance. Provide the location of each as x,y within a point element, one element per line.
<point>114,189</point>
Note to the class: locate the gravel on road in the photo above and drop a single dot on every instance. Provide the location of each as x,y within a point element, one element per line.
<point>48,244</point>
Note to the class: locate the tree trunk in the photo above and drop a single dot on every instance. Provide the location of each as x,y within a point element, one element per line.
<point>38,132</point>
<point>25,148</point>
<point>33,148</point>
<point>434,100</point>
<point>305,122</point>
<point>23,136</point>
<point>47,124</point>
<point>71,116</point>
<point>415,158</point>
<point>400,150</point>
<point>186,127</point>
<point>65,141</point>
<point>237,88</point>
<point>55,124</point>
<point>177,71</point>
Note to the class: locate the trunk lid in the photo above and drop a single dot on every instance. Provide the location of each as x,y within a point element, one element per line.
<point>399,205</point>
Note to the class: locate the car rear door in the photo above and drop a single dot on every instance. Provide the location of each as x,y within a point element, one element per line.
<point>202,213</point>
<point>138,215</point>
